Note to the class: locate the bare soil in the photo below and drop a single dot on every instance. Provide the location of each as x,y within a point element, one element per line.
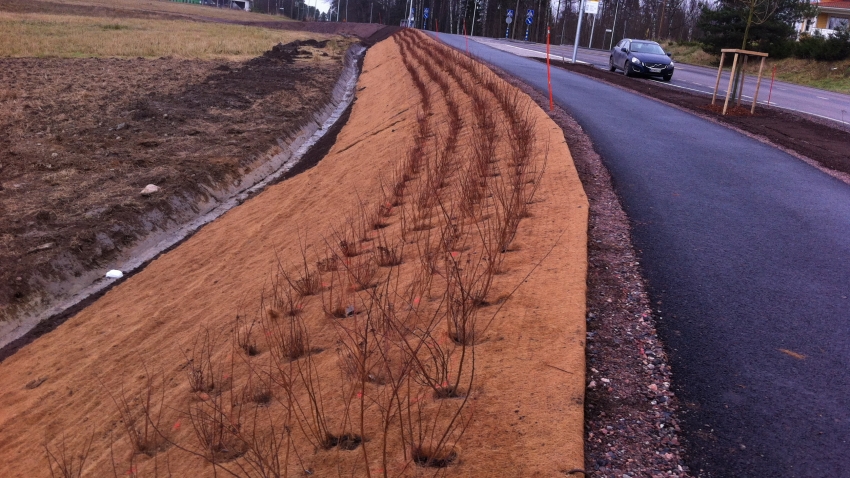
<point>190,312</point>
<point>80,138</point>
<point>819,140</point>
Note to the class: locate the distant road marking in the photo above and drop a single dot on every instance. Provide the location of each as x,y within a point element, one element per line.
<point>821,97</point>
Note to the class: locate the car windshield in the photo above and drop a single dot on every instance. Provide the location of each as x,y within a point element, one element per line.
<point>639,47</point>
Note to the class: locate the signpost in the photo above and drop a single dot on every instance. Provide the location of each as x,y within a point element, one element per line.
<point>591,8</point>
<point>529,18</point>
<point>509,20</point>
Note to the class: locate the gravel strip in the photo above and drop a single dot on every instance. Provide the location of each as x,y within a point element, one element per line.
<point>630,410</point>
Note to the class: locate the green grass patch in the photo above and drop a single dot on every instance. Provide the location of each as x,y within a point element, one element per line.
<point>826,75</point>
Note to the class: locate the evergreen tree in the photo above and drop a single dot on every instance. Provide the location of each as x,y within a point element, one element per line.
<point>771,24</point>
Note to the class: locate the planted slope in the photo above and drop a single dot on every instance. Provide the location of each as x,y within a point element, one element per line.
<point>414,302</point>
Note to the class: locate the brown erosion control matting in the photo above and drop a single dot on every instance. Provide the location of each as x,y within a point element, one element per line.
<point>465,359</point>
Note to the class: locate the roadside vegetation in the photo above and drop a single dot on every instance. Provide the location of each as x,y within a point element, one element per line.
<point>827,75</point>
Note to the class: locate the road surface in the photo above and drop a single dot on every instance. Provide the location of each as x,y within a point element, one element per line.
<point>747,257</point>
<point>821,103</point>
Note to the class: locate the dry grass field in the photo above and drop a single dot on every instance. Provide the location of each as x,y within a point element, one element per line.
<point>71,36</point>
<point>137,9</point>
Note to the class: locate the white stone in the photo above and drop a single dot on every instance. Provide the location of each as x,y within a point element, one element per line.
<point>150,189</point>
<point>115,274</point>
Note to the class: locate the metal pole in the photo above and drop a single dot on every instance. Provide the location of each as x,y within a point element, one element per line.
<point>564,26</point>
<point>371,7</point>
<point>614,27</point>
<point>578,29</point>
<point>516,16</point>
<point>474,11</point>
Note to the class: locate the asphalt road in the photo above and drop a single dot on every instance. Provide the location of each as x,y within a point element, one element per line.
<point>747,254</point>
<point>825,104</point>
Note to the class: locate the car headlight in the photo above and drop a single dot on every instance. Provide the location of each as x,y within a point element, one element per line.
<point>671,65</point>
<point>635,61</point>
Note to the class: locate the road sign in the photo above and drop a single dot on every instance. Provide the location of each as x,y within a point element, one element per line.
<point>509,20</point>
<point>427,12</point>
<point>529,16</point>
<point>591,7</point>
<point>510,13</point>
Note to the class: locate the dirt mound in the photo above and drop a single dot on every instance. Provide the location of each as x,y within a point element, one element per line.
<point>290,51</point>
<point>359,30</point>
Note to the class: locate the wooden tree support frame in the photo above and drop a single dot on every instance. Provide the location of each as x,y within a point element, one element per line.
<point>735,64</point>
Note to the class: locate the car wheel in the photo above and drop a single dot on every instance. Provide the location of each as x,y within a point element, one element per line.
<point>611,66</point>
<point>667,77</point>
<point>626,69</point>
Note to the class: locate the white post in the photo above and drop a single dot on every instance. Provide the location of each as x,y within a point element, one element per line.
<point>578,28</point>
<point>614,27</point>
<point>592,28</point>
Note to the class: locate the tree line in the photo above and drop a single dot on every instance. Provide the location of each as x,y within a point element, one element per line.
<point>761,25</point>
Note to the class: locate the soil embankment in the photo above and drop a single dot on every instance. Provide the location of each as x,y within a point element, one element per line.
<point>416,300</point>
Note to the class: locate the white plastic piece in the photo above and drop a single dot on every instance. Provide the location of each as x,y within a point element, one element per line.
<point>115,274</point>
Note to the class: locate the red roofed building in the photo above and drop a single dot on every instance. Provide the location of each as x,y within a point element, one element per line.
<point>831,15</point>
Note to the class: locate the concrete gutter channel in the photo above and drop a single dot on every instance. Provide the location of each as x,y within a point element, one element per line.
<point>303,147</point>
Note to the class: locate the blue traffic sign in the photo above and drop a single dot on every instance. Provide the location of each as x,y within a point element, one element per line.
<point>427,12</point>
<point>510,13</point>
<point>529,13</point>
<point>528,20</point>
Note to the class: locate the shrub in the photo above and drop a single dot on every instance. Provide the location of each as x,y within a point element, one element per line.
<point>817,47</point>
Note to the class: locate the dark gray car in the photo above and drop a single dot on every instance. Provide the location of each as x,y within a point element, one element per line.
<point>641,57</point>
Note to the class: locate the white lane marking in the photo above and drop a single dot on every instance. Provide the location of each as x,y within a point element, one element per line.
<point>500,45</point>
<point>821,97</point>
